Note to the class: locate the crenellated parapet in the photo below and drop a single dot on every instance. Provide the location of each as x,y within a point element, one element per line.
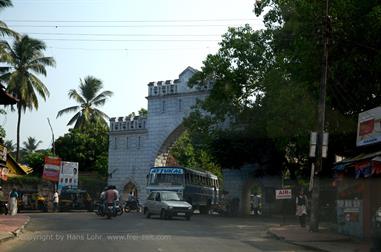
<point>128,123</point>
<point>159,88</point>
<point>177,86</point>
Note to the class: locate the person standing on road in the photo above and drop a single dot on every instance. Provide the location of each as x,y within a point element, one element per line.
<point>256,204</point>
<point>56,200</point>
<point>13,201</point>
<point>301,207</point>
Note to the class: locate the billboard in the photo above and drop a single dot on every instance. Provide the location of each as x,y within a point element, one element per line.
<point>369,127</point>
<point>68,175</point>
<point>52,168</point>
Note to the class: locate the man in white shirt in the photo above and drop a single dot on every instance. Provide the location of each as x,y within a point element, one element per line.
<point>55,201</point>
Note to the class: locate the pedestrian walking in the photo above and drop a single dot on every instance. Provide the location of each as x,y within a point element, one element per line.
<point>256,204</point>
<point>56,200</point>
<point>301,207</point>
<point>13,201</point>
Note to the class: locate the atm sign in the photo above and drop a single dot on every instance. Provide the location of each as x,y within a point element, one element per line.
<point>283,194</point>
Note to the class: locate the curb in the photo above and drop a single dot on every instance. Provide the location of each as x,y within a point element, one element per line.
<point>276,237</point>
<point>16,233</point>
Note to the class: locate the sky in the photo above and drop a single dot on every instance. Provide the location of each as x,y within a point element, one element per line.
<point>124,43</point>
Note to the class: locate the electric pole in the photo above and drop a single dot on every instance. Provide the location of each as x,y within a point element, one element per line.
<point>53,145</point>
<point>314,220</point>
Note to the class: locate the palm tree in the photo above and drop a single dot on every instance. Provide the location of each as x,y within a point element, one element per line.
<point>24,59</point>
<point>4,30</point>
<point>31,144</point>
<point>88,98</point>
<point>9,145</point>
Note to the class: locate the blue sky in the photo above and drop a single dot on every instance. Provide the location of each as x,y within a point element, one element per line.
<point>158,39</point>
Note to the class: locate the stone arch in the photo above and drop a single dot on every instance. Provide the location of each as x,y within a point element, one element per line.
<point>247,188</point>
<point>130,187</point>
<point>162,157</point>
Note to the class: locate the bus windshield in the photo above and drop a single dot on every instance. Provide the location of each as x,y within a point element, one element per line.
<point>167,179</point>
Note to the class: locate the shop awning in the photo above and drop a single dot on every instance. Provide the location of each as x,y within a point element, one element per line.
<point>365,164</point>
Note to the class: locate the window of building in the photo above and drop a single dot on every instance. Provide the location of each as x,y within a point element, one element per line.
<point>163,107</point>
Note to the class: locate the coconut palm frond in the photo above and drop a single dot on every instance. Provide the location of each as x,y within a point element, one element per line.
<point>67,110</point>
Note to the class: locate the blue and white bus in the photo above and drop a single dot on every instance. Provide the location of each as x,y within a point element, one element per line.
<point>199,188</point>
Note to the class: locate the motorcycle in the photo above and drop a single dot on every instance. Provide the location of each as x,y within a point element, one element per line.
<point>4,207</point>
<point>109,209</point>
<point>132,206</point>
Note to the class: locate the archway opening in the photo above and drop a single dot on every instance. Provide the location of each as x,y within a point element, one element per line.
<point>164,157</point>
<point>130,188</point>
<point>251,197</point>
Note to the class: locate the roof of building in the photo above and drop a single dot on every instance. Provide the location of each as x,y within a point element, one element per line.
<point>5,98</point>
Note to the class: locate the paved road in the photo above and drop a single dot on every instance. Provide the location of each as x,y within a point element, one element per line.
<point>82,231</point>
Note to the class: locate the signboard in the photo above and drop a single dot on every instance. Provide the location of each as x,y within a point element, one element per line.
<point>369,127</point>
<point>167,171</point>
<point>52,169</point>
<point>4,173</point>
<point>283,194</point>
<point>68,175</point>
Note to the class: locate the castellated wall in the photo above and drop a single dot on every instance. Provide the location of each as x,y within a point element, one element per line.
<point>135,143</point>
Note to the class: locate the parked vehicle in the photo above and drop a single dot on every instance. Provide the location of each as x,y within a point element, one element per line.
<point>4,207</point>
<point>31,200</point>
<point>198,188</point>
<point>167,204</point>
<point>75,199</point>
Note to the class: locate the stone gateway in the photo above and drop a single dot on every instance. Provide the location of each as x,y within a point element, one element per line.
<point>138,143</point>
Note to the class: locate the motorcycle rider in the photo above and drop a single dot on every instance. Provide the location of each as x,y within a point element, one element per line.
<point>102,198</point>
<point>111,195</point>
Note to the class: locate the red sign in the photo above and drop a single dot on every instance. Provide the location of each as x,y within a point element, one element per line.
<point>283,194</point>
<point>52,168</point>
<point>366,127</point>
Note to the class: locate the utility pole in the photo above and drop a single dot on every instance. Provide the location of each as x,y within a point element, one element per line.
<point>314,220</point>
<point>53,145</point>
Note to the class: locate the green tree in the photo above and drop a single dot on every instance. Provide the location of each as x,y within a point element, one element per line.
<point>188,154</point>
<point>143,112</point>
<point>36,160</point>
<point>31,144</point>
<point>87,146</point>
<point>4,30</point>
<point>24,59</point>
<point>88,98</point>
<point>10,145</point>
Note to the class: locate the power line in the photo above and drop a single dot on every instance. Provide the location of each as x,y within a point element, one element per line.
<point>131,40</point>
<point>122,35</point>
<point>130,21</point>
<point>122,26</point>
<point>126,49</point>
